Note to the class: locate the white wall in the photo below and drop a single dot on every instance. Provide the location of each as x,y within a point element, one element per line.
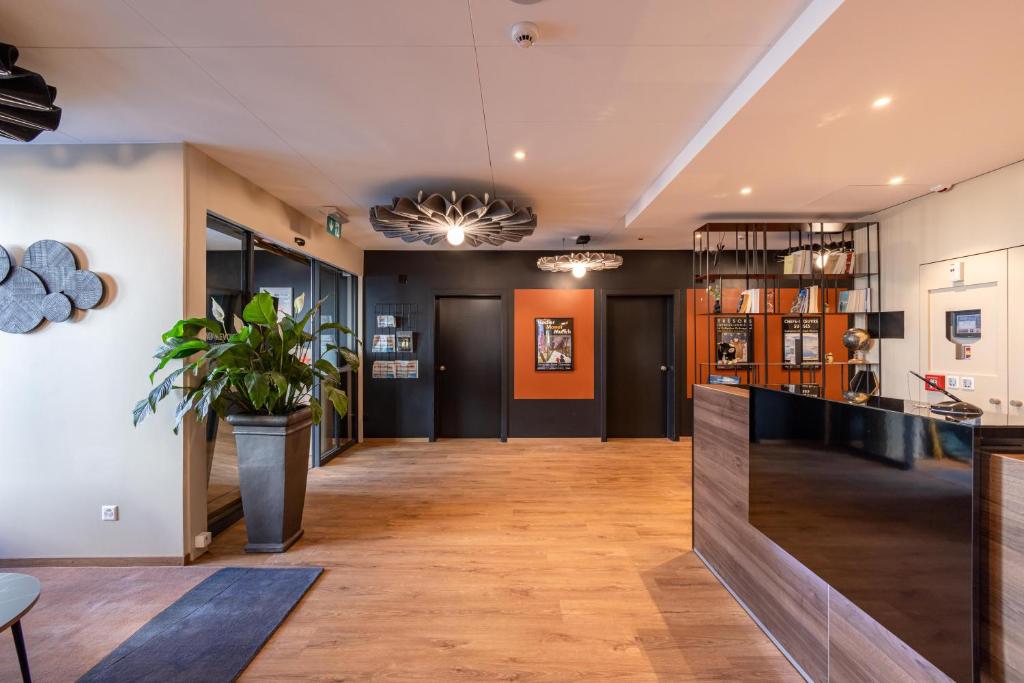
<point>976,216</point>
<point>67,444</point>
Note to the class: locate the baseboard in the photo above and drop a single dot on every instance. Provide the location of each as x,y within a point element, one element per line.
<point>753,616</point>
<point>94,562</point>
<point>378,441</point>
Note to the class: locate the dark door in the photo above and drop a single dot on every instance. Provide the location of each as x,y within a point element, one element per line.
<point>469,367</point>
<point>638,360</point>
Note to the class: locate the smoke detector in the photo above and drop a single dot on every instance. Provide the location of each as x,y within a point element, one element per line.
<point>525,33</point>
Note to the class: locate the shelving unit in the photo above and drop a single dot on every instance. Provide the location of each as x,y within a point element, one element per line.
<point>406,320</point>
<point>731,257</point>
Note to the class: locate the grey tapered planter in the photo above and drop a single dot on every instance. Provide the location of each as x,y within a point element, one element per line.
<point>273,460</point>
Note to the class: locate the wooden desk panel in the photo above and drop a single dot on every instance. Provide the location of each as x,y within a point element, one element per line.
<point>790,601</point>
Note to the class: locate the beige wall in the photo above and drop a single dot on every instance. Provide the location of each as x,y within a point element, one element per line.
<point>67,445</point>
<point>211,187</point>
<point>976,216</point>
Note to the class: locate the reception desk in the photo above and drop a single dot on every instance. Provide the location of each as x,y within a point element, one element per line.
<point>871,542</point>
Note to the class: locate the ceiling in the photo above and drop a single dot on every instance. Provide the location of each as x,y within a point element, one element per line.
<point>810,143</point>
<point>348,103</point>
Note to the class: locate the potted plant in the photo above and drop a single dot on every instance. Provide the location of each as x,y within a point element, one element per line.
<point>257,379</point>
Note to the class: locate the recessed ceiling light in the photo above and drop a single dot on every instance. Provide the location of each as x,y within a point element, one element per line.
<point>745,190</point>
<point>896,180</point>
<point>882,102</point>
<point>519,155</point>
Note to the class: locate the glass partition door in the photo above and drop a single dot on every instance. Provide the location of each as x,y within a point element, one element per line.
<point>338,290</point>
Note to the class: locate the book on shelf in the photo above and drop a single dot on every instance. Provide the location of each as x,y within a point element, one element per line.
<point>801,342</point>
<point>733,338</point>
<point>403,339</point>
<point>750,301</point>
<point>386,321</point>
<point>855,301</point>
<point>800,262</point>
<point>723,379</point>
<point>840,262</point>
<point>806,300</point>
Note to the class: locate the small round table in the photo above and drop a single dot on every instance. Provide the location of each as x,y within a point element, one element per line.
<point>18,593</point>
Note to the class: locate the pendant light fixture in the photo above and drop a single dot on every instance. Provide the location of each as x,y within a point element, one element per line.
<point>459,219</point>
<point>26,101</point>
<point>579,263</point>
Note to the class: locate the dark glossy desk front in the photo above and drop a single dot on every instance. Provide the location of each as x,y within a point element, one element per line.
<point>844,520</point>
<point>880,504</point>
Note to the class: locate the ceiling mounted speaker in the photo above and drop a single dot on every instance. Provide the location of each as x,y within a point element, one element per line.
<point>435,218</point>
<point>26,101</point>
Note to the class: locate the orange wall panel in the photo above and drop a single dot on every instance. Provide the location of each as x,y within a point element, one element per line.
<point>577,383</point>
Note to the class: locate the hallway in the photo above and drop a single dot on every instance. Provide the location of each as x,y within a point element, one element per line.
<point>542,560</point>
<point>539,560</point>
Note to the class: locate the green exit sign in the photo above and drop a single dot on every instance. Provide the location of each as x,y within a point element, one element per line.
<point>334,224</point>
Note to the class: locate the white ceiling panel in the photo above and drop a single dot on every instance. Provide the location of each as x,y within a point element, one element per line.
<point>611,84</point>
<point>356,114</point>
<point>638,22</point>
<point>202,23</point>
<point>75,23</point>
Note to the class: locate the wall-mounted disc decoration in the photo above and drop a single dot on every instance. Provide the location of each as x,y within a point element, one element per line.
<point>47,285</point>
<point>84,288</point>
<point>51,261</point>
<point>56,307</point>
<point>5,264</point>
<point>21,299</point>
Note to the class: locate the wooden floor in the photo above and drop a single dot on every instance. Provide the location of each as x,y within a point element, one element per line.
<point>536,560</point>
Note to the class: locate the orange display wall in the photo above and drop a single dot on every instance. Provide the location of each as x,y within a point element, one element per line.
<point>578,383</point>
<point>700,346</point>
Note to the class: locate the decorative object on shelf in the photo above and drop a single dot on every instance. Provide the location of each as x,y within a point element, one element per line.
<point>857,340</point>
<point>459,219</point>
<point>580,262</point>
<point>553,344</point>
<point>26,101</point>
<point>47,286</point>
<point>864,383</point>
<point>271,410</point>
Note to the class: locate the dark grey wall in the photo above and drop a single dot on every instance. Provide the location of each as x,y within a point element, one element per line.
<point>403,408</point>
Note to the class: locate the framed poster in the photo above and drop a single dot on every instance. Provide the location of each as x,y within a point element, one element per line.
<point>734,336</point>
<point>553,343</point>
<point>801,342</point>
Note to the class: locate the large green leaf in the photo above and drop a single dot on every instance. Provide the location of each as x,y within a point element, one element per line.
<point>328,369</point>
<point>181,351</point>
<point>258,387</point>
<point>260,310</point>
<point>316,410</point>
<point>190,327</point>
<point>339,399</point>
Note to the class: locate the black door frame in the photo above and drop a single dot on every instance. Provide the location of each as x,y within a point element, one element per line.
<point>503,298</point>
<point>675,368</point>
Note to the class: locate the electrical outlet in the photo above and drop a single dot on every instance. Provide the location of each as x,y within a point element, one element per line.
<point>967,383</point>
<point>108,513</point>
<point>204,539</point>
<point>952,381</point>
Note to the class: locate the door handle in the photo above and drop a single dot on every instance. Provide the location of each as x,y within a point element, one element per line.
<point>1016,404</point>
<point>441,368</point>
<point>663,368</point>
<point>994,401</point>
